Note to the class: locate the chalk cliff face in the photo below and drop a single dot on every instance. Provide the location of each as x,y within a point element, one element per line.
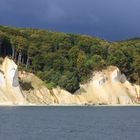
<point>105,87</point>
<point>109,87</point>
<point>10,92</point>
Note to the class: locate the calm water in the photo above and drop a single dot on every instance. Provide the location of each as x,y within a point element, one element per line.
<point>69,123</point>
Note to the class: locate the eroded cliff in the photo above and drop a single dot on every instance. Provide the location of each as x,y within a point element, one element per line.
<point>10,92</point>
<point>105,87</point>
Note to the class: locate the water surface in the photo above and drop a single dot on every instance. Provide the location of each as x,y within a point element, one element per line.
<point>69,123</point>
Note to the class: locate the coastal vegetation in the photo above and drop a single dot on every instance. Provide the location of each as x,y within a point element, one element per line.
<point>66,60</point>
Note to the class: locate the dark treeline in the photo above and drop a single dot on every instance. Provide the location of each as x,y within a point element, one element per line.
<point>66,60</point>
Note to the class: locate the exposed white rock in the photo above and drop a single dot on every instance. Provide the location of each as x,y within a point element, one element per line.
<point>2,80</point>
<point>10,92</point>
<point>105,87</point>
<point>108,87</point>
<point>116,75</point>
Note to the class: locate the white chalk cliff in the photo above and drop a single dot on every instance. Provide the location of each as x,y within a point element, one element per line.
<point>109,87</point>
<point>10,92</point>
<point>105,87</point>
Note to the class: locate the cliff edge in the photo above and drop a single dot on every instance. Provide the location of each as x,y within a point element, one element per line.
<point>108,87</point>
<point>10,92</point>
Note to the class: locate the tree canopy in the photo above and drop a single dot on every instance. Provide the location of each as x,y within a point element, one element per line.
<point>66,60</point>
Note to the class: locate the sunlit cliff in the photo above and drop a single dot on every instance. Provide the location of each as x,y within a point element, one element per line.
<point>105,87</point>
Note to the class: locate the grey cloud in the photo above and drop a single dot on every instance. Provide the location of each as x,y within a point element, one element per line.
<point>109,19</point>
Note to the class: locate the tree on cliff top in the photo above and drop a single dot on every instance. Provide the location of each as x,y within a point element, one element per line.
<point>67,60</point>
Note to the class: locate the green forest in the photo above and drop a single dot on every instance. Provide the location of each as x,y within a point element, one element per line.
<point>67,60</point>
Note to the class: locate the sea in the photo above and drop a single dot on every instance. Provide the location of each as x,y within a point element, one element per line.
<point>70,123</point>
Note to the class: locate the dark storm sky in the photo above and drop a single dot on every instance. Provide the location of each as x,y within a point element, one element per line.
<point>108,19</point>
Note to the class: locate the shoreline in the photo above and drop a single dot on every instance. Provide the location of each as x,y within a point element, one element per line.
<point>72,105</point>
